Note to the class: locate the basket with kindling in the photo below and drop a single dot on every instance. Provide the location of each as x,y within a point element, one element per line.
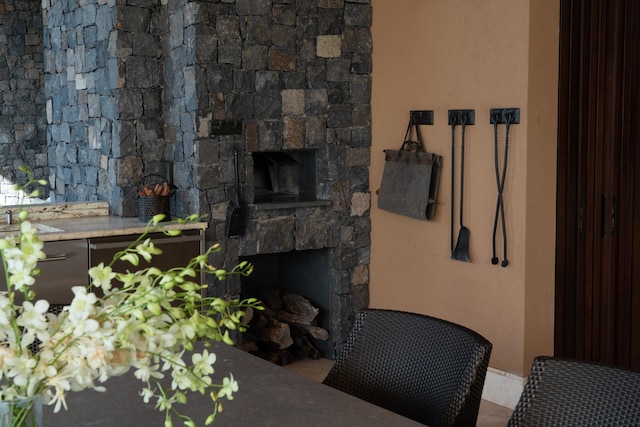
<point>154,199</point>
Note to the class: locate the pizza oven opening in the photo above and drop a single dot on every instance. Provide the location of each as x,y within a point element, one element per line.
<point>284,176</point>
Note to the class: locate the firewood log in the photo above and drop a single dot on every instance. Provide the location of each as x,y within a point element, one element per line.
<point>278,333</point>
<point>315,331</point>
<point>297,304</point>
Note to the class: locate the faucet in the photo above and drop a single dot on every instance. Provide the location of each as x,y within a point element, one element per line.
<point>8,216</point>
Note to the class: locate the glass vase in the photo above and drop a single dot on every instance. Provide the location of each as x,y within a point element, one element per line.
<point>22,412</point>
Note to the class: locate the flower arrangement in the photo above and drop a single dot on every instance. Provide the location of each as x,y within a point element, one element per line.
<point>144,319</point>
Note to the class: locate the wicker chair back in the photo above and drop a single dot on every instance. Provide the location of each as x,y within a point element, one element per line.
<point>421,367</point>
<point>565,392</point>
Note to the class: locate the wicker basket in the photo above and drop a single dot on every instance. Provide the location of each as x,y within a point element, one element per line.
<point>149,206</point>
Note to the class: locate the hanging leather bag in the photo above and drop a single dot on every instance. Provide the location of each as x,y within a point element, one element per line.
<point>410,178</point>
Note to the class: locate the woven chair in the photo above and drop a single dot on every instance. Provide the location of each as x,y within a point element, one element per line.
<point>564,392</point>
<point>423,368</point>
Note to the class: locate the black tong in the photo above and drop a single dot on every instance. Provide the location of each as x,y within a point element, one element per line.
<point>506,116</point>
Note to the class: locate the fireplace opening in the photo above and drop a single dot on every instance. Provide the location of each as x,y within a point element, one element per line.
<point>284,176</point>
<point>303,273</point>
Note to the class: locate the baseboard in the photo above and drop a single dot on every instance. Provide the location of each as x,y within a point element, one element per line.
<point>502,388</point>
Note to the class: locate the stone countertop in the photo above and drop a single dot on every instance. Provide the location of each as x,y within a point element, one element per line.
<point>82,220</point>
<point>52,211</point>
<point>104,226</point>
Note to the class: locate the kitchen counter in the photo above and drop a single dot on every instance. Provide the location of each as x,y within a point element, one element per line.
<point>82,220</point>
<point>103,226</point>
<point>77,235</point>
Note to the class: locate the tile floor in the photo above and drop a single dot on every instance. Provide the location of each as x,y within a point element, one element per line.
<point>490,415</point>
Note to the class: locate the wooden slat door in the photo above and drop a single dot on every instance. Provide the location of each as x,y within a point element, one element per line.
<point>597,288</point>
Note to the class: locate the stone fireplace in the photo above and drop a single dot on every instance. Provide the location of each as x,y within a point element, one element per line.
<point>138,87</point>
<point>296,76</point>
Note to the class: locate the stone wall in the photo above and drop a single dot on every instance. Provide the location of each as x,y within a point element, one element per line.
<point>22,118</point>
<point>296,76</point>
<point>104,109</point>
<point>180,104</point>
<point>132,86</point>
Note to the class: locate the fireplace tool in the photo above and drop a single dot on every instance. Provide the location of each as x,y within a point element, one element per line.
<point>507,117</point>
<point>234,225</point>
<point>463,118</point>
<point>453,122</point>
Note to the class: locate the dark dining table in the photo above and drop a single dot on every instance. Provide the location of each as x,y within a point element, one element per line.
<point>269,395</point>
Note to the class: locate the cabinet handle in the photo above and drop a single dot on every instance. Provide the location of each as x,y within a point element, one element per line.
<point>603,218</point>
<point>613,216</point>
<point>157,242</point>
<point>580,219</point>
<point>55,257</point>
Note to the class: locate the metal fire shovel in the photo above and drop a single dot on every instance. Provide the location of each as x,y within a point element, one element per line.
<point>234,225</point>
<point>461,251</point>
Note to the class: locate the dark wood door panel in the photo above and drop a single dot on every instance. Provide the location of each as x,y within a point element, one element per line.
<point>596,290</point>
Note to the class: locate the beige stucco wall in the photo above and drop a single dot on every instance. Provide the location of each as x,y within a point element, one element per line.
<point>468,54</point>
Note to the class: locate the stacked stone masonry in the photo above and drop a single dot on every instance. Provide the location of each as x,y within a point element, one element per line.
<point>22,118</point>
<point>131,86</point>
<point>297,74</point>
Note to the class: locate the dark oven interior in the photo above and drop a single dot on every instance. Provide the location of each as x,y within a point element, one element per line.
<point>284,176</point>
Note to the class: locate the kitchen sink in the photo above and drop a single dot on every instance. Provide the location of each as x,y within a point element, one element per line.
<point>6,229</point>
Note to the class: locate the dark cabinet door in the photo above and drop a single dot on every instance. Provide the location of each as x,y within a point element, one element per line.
<point>64,267</point>
<point>597,288</point>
